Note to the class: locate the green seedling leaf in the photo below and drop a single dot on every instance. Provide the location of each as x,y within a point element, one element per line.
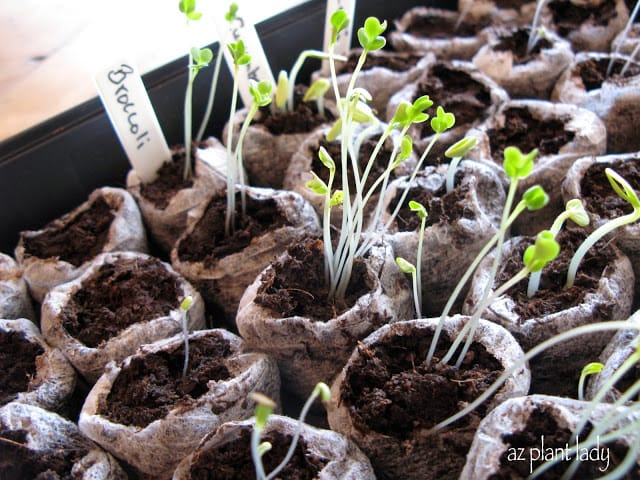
<point>240,56</point>
<point>336,199</point>
<point>186,303</point>
<point>264,447</point>
<point>622,188</point>
<point>535,198</point>
<point>200,57</point>
<point>261,92</point>
<point>592,368</point>
<point>281,90</point>
<point>577,212</point>
<point>461,147</point>
<point>361,95</point>
<point>317,90</point>
<point>231,14</point>
<point>317,185</point>
<point>408,113</point>
<point>443,121</point>
<point>326,159</point>
<point>334,131</point>
<point>339,21</point>
<point>370,37</point>
<point>405,266</point>
<point>406,149</point>
<point>188,7</point>
<point>264,408</point>
<point>418,208</point>
<point>544,250</point>
<point>516,164</point>
<point>324,391</point>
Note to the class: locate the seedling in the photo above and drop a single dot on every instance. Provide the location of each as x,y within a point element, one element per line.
<point>185,306</point>
<point>589,369</point>
<point>536,32</point>
<point>623,36</point>
<point>407,267</point>
<point>456,152</point>
<point>264,408</point>
<point>627,193</point>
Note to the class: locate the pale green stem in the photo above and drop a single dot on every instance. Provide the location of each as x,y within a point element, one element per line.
<point>187,120</point>
<point>451,173</point>
<point>255,452</point>
<point>423,223</point>
<point>533,34</point>
<point>591,240</point>
<point>326,232</point>
<point>295,69</point>
<point>470,326</point>
<point>623,36</point>
<point>237,155</point>
<point>185,333</point>
<point>231,164</point>
<point>522,361</point>
<point>630,59</point>
<point>212,96</point>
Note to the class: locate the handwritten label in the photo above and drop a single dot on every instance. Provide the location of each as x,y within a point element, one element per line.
<point>258,69</point>
<point>343,43</point>
<point>132,116</point>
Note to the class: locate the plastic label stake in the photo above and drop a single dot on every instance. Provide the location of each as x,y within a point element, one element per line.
<point>343,43</point>
<point>241,27</point>
<point>132,116</point>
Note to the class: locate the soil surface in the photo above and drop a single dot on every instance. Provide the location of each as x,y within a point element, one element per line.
<point>436,26</point>
<point>517,43</point>
<point>170,181</point>
<point>303,119</point>
<point>208,241</point>
<point>599,197</point>
<point>77,241</point>
<point>568,17</point>
<point>152,385</point>
<point>524,131</point>
<point>17,461</point>
<point>18,359</point>
<point>527,443</point>
<point>297,286</point>
<point>593,72</point>
<point>391,390</point>
<point>457,92</point>
<point>398,61</point>
<point>117,296</point>
<point>232,460</point>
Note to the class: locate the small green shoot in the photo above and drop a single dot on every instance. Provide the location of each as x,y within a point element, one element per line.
<point>316,92</point>
<point>188,7</point>
<point>535,32</point>
<point>456,152</point>
<point>407,267</point>
<point>627,193</point>
<point>589,369</point>
<point>185,306</point>
<point>264,408</point>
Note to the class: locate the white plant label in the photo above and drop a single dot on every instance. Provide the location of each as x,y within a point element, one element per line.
<point>343,42</point>
<point>242,28</point>
<point>132,116</point>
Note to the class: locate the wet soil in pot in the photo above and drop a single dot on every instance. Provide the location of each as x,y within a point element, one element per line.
<point>434,26</point>
<point>283,291</point>
<point>396,61</point>
<point>522,129</point>
<point>18,357</point>
<point>593,72</point>
<point>152,385</point>
<point>77,241</point>
<point>232,461</point>
<point>568,17</point>
<point>541,424</point>
<point>118,296</point>
<point>18,461</point>
<point>170,180</point>
<point>390,390</point>
<point>517,43</point>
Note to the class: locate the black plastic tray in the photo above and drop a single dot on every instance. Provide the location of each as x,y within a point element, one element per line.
<point>51,168</point>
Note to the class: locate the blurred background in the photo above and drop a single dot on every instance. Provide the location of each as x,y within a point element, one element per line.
<point>52,48</point>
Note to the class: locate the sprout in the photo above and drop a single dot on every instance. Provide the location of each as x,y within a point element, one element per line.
<point>455,152</point>
<point>589,369</point>
<point>627,193</point>
<point>264,408</point>
<point>408,267</point>
<point>536,33</point>
<point>185,306</point>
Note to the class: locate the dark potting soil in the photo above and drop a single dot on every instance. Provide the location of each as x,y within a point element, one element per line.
<point>599,196</point>
<point>391,390</point>
<point>593,72</point>
<point>552,297</point>
<point>77,241</point>
<point>436,26</point>
<point>18,360</point>
<point>517,42</point>
<point>524,131</point>
<point>17,461</point>
<point>457,92</point>
<point>569,17</point>
<point>297,286</point>
<point>152,384</point>
<point>170,181</point>
<point>524,449</point>
<point>442,207</point>
<point>303,119</point>
<point>117,296</point>
<point>208,241</point>
<point>232,460</point>
<point>397,61</point>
